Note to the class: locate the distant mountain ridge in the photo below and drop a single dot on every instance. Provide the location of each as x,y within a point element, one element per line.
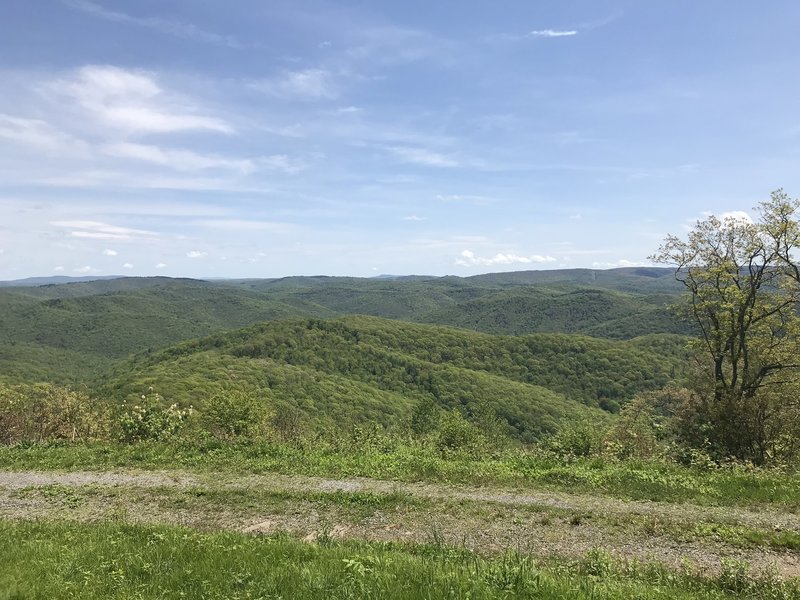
<point>580,276</point>
<point>54,280</point>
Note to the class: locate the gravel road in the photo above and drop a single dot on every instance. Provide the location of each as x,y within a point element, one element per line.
<point>485,519</point>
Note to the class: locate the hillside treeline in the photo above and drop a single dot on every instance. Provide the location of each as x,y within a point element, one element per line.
<point>361,369</point>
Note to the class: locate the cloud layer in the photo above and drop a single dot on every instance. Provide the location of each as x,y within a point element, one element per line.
<point>554,33</point>
<point>469,259</point>
<point>132,101</point>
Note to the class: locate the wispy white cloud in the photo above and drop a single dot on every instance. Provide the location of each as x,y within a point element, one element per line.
<point>109,252</point>
<point>570,138</point>
<point>422,156</point>
<point>388,45</point>
<point>187,160</point>
<point>84,270</point>
<point>103,231</point>
<point>58,269</point>
<point>413,218</point>
<point>196,254</point>
<point>133,101</point>
<point>618,264</point>
<point>245,225</point>
<point>469,259</point>
<point>349,110</point>
<point>468,198</point>
<point>281,162</point>
<point>119,179</point>
<point>150,208</point>
<point>308,84</point>
<point>161,265</point>
<point>553,33</point>
<point>575,29</point>
<point>175,28</point>
<point>41,136</point>
<point>127,266</point>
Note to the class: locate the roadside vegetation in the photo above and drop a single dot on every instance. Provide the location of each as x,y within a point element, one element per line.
<point>635,456</point>
<point>118,560</point>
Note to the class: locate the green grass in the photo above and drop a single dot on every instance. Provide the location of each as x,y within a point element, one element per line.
<point>121,561</point>
<point>637,480</point>
<point>745,536</point>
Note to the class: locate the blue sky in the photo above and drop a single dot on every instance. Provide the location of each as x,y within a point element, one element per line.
<point>261,139</point>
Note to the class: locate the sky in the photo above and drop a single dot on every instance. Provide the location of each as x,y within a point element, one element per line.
<point>247,138</point>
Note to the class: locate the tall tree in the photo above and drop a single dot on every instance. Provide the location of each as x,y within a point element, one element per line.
<point>743,284</point>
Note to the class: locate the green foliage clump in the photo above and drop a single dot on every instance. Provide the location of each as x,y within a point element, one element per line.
<point>44,412</point>
<point>456,435</point>
<point>635,433</point>
<point>149,419</point>
<point>234,414</point>
<point>425,417</point>
<point>576,439</point>
<point>650,426</point>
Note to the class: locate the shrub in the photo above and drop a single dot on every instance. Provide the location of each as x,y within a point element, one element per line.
<point>425,416</point>
<point>370,438</point>
<point>45,412</point>
<point>288,422</point>
<point>635,433</point>
<point>459,436</point>
<point>233,414</point>
<point>148,419</point>
<point>582,438</point>
<point>494,429</point>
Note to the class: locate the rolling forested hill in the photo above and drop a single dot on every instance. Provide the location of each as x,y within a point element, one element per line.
<point>536,347</point>
<point>72,333</point>
<point>352,369</point>
<point>638,280</point>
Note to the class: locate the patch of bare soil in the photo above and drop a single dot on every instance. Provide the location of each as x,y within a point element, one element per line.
<point>22,479</point>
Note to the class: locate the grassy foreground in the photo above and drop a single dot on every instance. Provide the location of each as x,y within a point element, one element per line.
<point>659,481</point>
<point>113,560</point>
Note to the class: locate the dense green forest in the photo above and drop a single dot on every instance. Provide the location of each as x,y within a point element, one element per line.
<point>356,369</point>
<point>71,333</point>
<point>552,344</point>
<point>533,348</point>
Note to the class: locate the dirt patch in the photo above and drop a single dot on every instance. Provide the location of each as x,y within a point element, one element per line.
<point>22,479</point>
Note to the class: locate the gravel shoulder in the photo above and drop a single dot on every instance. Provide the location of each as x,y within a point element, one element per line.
<point>487,520</point>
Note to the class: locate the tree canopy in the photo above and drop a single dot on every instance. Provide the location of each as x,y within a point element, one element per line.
<point>743,284</point>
